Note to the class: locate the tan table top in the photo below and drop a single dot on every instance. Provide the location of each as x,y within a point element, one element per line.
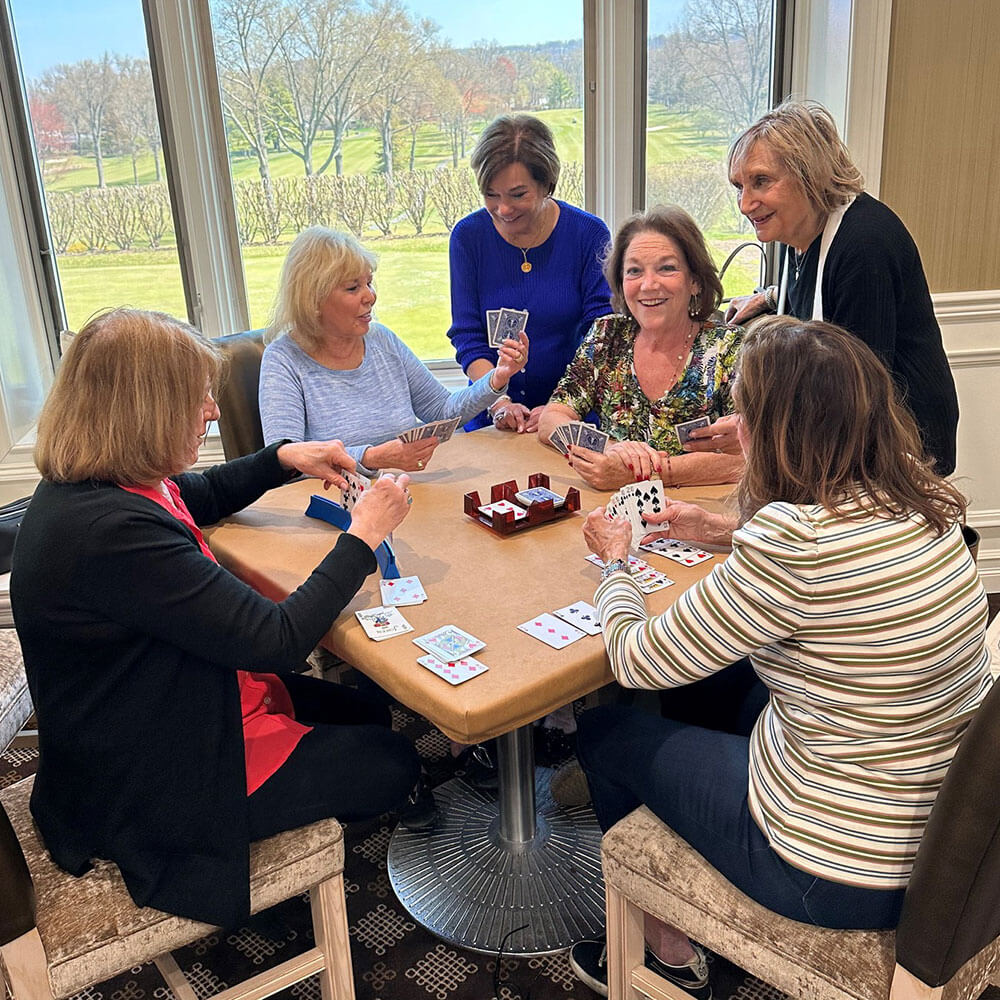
<point>483,583</point>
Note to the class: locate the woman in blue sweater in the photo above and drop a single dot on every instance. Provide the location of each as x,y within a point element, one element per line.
<point>524,250</point>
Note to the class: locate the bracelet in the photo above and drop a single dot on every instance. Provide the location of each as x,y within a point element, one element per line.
<point>492,407</point>
<point>614,566</point>
<point>669,481</point>
<point>489,382</point>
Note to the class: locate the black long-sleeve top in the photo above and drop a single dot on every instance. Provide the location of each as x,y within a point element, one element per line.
<point>131,642</point>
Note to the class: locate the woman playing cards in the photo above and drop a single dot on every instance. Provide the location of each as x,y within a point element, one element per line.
<point>655,367</point>
<point>173,729</point>
<point>524,252</point>
<point>855,597</point>
<point>332,371</point>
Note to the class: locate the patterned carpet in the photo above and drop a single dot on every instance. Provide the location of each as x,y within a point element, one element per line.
<point>393,958</point>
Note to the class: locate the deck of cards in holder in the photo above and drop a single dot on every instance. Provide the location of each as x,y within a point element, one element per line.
<point>504,323</point>
<point>441,429</point>
<point>581,434</point>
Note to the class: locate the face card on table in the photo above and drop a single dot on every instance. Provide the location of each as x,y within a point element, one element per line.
<point>403,591</point>
<point>383,623</point>
<point>454,671</point>
<point>356,485</point>
<point>449,643</point>
<point>683,431</point>
<point>583,615</point>
<point>551,630</point>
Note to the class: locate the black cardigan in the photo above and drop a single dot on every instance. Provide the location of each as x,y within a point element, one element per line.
<point>874,286</point>
<point>131,642</point>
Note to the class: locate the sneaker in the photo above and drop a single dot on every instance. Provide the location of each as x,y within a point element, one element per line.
<point>480,766</point>
<point>569,786</point>
<point>691,977</point>
<point>553,746</point>
<point>420,812</point>
<point>589,960</point>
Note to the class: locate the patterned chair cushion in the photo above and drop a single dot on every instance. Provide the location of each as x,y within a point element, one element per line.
<point>89,926</point>
<point>658,871</point>
<point>15,701</point>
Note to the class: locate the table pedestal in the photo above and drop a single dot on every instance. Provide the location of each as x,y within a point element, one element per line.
<point>504,872</point>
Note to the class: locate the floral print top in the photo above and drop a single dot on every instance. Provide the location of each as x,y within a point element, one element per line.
<point>601,377</point>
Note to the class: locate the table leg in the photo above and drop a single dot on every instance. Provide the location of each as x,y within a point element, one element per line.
<point>518,871</point>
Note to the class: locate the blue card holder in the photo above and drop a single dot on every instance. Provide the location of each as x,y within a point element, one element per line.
<point>324,509</point>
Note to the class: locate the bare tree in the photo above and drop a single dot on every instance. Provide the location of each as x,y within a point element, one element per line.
<point>83,92</point>
<point>413,187</point>
<point>453,194</point>
<point>133,111</point>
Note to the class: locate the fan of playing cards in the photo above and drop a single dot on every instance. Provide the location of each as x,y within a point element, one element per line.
<point>581,434</point>
<point>441,429</point>
<point>633,502</point>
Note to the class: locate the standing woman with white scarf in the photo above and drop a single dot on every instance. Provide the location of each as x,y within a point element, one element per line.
<point>848,260</point>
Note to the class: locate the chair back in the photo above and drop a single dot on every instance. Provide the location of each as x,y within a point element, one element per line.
<point>239,419</point>
<point>952,906</point>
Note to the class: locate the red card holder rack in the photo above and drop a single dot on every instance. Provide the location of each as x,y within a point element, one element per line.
<point>503,523</point>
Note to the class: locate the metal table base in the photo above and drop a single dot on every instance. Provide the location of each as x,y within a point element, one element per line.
<point>501,872</point>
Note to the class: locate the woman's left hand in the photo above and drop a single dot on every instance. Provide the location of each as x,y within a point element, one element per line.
<point>324,460</point>
<point>513,356</point>
<point>607,538</point>
<point>600,472</point>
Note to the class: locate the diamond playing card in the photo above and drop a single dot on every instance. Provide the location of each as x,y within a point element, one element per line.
<point>583,615</point>
<point>449,643</point>
<point>401,592</point>
<point>683,431</point>
<point>383,623</point>
<point>551,630</point>
<point>455,671</point>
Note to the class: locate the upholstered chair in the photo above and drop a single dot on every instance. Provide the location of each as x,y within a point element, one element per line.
<point>239,420</point>
<point>945,947</point>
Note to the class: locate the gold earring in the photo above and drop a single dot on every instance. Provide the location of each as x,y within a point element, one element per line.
<point>694,305</point>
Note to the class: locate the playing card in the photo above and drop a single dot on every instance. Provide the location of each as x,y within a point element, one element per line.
<point>455,671</point>
<point>403,591</point>
<point>441,429</point>
<point>590,437</point>
<point>651,580</point>
<point>551,630</point>
<point>503,506</point>
<point>583,615</point>
<point>539,494</point>
<point>383,623</point>
<point>492,316</point>
<point>559,438</point>
<point>635,564</point>
<point>449,643</point>
<point>510,323</point>
<point>633,502</point>
<point>683,431</point>
<point>679,551</point>
<point>356,485</point>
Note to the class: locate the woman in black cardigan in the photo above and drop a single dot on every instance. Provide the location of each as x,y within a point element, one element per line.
<point>168,742</point>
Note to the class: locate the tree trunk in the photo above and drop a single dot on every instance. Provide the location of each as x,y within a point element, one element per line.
<point>385,132</point>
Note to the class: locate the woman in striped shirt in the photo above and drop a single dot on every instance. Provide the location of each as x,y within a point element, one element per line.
<point>853,594</point>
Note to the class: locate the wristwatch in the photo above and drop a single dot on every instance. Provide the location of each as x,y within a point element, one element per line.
<point>613,567</point>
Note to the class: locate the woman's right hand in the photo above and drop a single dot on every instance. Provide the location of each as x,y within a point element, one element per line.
<point>744,307</point>
<point>691,523</point>
<point>380,509</point>
<point>410,456</point>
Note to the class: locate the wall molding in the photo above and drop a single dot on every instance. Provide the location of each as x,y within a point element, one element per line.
<point>966,307</point>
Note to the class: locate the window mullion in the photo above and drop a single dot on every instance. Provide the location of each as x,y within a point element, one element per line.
<point>194,143</point>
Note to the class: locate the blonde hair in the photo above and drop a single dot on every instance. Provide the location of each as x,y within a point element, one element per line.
<point>802,136</point>
<point>676,225</point>
<point>318,260</point>
<point>825,426</point>
<point>516,139</point>
<point>124,399</point>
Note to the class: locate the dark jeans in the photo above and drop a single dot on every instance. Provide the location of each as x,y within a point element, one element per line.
<point>695,780</point>
<point>351,765</point>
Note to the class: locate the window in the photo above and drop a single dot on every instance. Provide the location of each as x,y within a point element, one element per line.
<point>361,117</point>
<point>709,75</point>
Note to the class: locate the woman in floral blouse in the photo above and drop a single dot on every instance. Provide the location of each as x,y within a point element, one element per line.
<point>660,361</point>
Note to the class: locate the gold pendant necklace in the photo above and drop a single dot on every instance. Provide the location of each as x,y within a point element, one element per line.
<point>526,266</point>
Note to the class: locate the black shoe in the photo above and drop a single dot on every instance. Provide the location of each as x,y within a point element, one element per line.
<point>480,766</point>
<point>420,812</point>
<point>553,746</point>
<point>692,977</point>
<point>589,960</point>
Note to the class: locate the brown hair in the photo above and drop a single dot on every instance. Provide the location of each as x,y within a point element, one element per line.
<point>124,399</point>
<point>676,225</point>
<point>318,260</point>
<point>516,139</point>
<point>802,136</point>
<point>825,427</point>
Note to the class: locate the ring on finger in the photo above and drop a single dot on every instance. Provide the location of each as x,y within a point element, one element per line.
<point>420,463</point>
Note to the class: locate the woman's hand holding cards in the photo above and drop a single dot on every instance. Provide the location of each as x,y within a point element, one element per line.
<point>512,357</point>
<point>718,437</point>
<point>324,460</point>
<point>607,538</point>
<point>410,456</point>
<point>691,523</point>
<point>380,509</point>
